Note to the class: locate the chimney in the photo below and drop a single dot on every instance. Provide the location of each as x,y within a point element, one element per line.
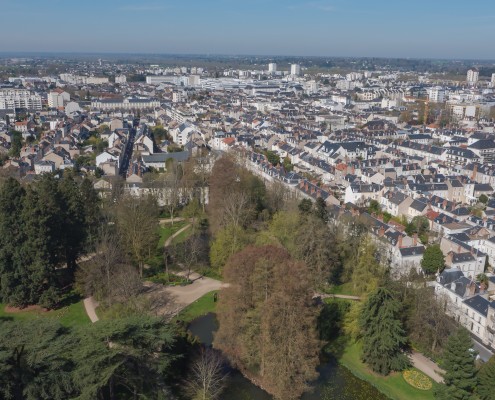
<point>381,232</point>
<point>415,239</point>
<point>471,288</point>
<point>400,242</point>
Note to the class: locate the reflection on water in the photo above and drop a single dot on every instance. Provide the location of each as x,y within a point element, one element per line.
<point>335,382</point>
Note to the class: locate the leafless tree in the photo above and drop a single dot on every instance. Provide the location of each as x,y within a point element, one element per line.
<point>236,208</point>
<point>137,224</point>
<point>207,378</point>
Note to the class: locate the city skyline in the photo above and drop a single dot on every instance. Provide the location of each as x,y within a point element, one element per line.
<point>274,27</point>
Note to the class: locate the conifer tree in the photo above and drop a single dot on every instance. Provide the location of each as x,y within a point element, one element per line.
<point>383,335</point>
<point>486,380</point>
<point>460,371</point>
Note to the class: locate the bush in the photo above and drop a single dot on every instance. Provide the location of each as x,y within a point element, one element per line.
<point>417,379</point>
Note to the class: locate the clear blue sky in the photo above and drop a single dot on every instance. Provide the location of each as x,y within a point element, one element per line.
<point>381,28</point>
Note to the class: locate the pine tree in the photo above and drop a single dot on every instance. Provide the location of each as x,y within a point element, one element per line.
<point>486,380</point>
<point>383,335</point>
<point>460,371</point>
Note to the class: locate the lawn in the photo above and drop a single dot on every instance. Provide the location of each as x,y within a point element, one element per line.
<point>182,236</point>
<point>345,288</point>
<point>202,306</point>
<point>72,315</point>
<point>168,230</point>
<point>394,386</point>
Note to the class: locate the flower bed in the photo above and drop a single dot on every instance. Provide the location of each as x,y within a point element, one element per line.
<point>417,379</point>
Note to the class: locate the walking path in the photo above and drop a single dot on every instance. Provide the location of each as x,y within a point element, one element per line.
<point>90,306</point>
<point>427,366</point>
<point>168,242</point>
<point>338,296</point>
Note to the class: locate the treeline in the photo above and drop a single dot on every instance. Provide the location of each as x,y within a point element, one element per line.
<point>277,252</point>
<point>45,227</point>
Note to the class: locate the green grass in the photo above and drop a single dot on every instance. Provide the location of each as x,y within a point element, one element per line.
<point>182,236</point>
<point>345,288</point>
<point>168,230</point>
<point>202,306</point>
<point>394,386</point>
<point>72,315</point>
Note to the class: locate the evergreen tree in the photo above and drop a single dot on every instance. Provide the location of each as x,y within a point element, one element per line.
<point>74,219</point>
<point>486,380</point>
<point>321,209</point>
<point>35,360</point>
<point>124,358</point>
<point>383,335</point>
<point>460,371</point>
<point>11,237</point>
<point>42,249</point>
<point>433,260</point>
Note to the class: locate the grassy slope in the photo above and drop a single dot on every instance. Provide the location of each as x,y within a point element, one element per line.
<point>168,230</point>
<point>73,315</point>
<point>394,386</point>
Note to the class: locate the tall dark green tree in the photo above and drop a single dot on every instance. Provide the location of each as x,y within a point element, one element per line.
<point>321,209</point>
<point>11,238</point>
<point>460,371</point>
<point>486,380</point>
<point>74,219</point>
<point>384,337</point>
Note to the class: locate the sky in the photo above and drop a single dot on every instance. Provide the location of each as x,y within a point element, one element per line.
<point>357,28</point>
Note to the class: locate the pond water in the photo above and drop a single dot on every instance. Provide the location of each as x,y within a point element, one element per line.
<point>335,382</point>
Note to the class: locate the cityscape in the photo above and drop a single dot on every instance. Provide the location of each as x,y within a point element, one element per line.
<point>204,216</point>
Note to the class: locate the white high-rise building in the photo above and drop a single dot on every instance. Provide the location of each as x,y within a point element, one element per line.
<point>58,98</point>
<point>472,76</point>
<point>295,69</point>
<point>436,94</point>
<point>493,80</point>
<point>19,98</point>
<point>272,68</point>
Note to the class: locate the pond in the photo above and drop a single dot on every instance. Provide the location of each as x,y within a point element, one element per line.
<point>335,382</point>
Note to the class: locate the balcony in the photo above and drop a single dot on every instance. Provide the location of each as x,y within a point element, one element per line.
<point>491,328</point>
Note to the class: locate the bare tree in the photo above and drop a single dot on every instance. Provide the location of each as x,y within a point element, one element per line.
<point>236,208</point>
<point>173,187</point>
<point>207,378</point>
<point>137,224</point>
<point>190,252</point>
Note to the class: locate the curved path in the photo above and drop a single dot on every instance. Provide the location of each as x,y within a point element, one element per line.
<point>427,366</point>
<point>90,305</point>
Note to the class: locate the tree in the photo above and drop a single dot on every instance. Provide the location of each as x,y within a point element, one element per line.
<point>483,199</point>
<point>429,327</point>
<point>173,187</point>
<point>35,360</point>
<point>267,320</point>
<point>206,379</point>
<point>137,224</point>
<point>11,238</point>
<point>384,338</point>
<point>227,242</point>
<point>419,225</point>
<point>123,358</point>
<point>321,209</point>
<point>433,260</point>
<point>486,377</point>
<point>374,207</point>
<point>272,157</point>
<point>305,206</point>
<point>315,244</point>
<point>460,371</point>
<point>15,144</point>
